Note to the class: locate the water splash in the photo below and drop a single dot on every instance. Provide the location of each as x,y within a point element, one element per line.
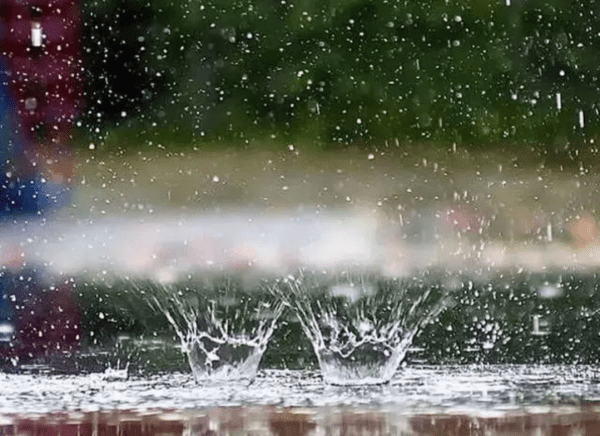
<point>224,328</point>
<point>360,324</point>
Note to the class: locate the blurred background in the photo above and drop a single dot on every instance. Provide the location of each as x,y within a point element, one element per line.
<point>456,125</point>
<point>334,73</point>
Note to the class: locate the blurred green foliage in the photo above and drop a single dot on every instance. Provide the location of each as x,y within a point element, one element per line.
<point>474,72</point>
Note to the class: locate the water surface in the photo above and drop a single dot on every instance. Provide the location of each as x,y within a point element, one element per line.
<point>415,389</point>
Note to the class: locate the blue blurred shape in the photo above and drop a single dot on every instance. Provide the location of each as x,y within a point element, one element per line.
<point>23,192</point>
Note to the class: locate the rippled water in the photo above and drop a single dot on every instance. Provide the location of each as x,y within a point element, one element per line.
<point>414,389</point>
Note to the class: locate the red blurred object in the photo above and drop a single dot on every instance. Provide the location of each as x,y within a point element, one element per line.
<point>43,312</point>
<point>41,40</point>
<point>48,323</point>
<point>464,219</point>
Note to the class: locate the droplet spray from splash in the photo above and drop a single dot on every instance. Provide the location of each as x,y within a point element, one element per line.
<point>360,325</point>
<point>224,329</point>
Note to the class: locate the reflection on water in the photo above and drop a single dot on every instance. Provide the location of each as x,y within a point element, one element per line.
<point>278,421</point>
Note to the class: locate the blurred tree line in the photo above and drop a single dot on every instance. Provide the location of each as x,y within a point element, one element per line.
<point>467,71</point>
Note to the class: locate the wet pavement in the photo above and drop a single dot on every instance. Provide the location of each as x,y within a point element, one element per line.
<point>303,422</point>
<point>278,421</point>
